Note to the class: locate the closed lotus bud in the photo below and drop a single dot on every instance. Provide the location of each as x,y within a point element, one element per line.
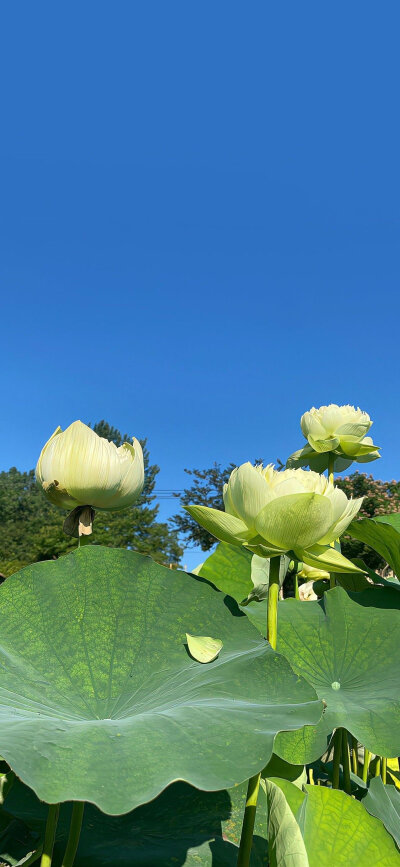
<point>77,468</point>
<point>271,513</point>
<point>337,431</point>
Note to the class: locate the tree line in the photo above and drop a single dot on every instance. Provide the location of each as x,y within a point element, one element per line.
<point>31,528</point>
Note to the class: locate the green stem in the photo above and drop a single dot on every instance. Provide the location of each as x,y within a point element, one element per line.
<point>367,759</point>
<point>296,587</point>
<point>337,750</point>
<point>84,540</point>
<point>49,835</point>
<point>74,834</point>
<point>346,762</point>
<point>354,755</point>
<point>331,477</point>
<point>383,770</point>
<point>273,596</point>
<point>378,766</point>
<point>246,839</point>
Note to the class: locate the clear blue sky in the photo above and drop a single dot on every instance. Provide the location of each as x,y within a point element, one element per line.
<point>199,224</point>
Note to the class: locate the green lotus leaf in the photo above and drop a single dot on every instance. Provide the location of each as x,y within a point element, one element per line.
<point>335,829</point>
<point>382,534</point>
<point>384,803</point>
<point>100,700</point>
<point>229,569</point>
<point>182,826</point>
<point>285,842</point>
<point>349,655</point>
<point>305,745</point>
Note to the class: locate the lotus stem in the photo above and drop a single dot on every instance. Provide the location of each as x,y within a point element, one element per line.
<point>337,750</point>
<point>331,476</point>
<point>273,596</point>
<point>49,835</point>
<point>367,759</point>
<point>378,767</point>
<point>354,755</point>
<point>249,818</point>
<point>296,587</point>
<point>246,838</point>
<point>346,762</point>
<point>383,770</point>
<point>74,834</point>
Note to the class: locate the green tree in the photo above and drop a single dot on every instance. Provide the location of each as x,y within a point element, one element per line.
<point>206,490</point>
<point>380,498</point>
<point>31,528</point>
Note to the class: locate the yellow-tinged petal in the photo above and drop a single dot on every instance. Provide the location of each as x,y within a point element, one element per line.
<point>132,475</point>
<point>77,467</point>
<point>224,527</point>
<point>248,492</point>
<point>327,558</point>
<point>203,648</point>
<point>295,520</point>
<point>38,472</point>
<point>351,510</point>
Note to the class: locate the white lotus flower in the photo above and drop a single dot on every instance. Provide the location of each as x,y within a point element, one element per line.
<point>274,513</point>
<point>76,467</point>
<point>340,431</point>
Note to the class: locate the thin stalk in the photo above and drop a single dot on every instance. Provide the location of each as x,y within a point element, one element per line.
<point>34,857</point>
<point>331,477</point>
<point>346,762</point>
<point>311,777</point>
<point>49,835</point>
<point>354,755</point>
<point>367,759</point>
<point>296,587</point>
<point>273,596</point>
<point>246,839</point>
<point>74,834</point>
<point>337,750</point>
<point>378,767</point>
<point>383,770</point>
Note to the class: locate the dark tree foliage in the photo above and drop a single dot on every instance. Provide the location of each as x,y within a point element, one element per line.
<point>206,490</point>
<point>381,498</point>
<point>31,528</point>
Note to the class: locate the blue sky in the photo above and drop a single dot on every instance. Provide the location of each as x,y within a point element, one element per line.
<point>199,224</point>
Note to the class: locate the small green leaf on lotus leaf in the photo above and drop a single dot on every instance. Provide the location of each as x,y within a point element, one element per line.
<point>203,648</point>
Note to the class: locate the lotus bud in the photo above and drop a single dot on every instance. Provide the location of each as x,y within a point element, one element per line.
<point>338,432</point>
<point>81,471</point>
<point>294,512</point>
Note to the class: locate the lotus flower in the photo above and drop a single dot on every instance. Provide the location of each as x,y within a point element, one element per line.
<point>335,430</point>
<point>78,468</point>
<point>297,512</point>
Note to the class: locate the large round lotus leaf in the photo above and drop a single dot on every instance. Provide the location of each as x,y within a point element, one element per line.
<point>350,655</point>
<point>100,700</point>
<point>327,829</point>
<point>182,826</point>
<point>305,745</point>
